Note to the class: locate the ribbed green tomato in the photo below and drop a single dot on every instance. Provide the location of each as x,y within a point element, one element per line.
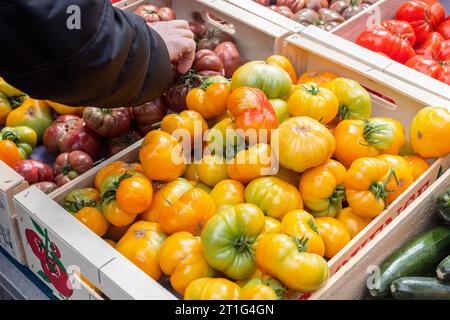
<point>229,239</point>
<point>354,100</point>
<point>270,79</point>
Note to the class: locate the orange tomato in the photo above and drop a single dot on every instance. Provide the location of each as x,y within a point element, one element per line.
<point>191,173</point>
<point>9,153</point>
<point>210,101</point>
<point>403,176</point>
<point>93,219</point>
<point>134,195</point>
<point>63,109</point>
<point>353,222</point>
<point>319,77</point>
<point>285,64</point>
<point>418,166</point>
<point>162,156</point>
<point>181,258</point>
<point>141,244</point>
<point>334,235</point>
<point>189,213</point>
<point>228,192</point>
<point>114,168</point>
<point>164,197</point>
<point>187,127</point>
<point>255,162</point>
<point>300,224</point>
<point>271,225</point>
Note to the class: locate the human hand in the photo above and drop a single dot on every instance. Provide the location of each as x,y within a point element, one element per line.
<point>179,40</point>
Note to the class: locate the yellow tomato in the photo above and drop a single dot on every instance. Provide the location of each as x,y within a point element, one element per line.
<point>334,234</point>
<point>212,169</point>
<point>212,289</point>
<point>353,222</point>
<point>228,192</point>
<point>63,109</point>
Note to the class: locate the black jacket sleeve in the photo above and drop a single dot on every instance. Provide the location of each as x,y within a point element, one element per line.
<point>112,60</point>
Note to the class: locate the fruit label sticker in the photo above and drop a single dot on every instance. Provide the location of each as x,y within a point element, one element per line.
<point>52,269</point>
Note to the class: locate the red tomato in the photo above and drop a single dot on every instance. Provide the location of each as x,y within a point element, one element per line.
<point>393,38</point>
<point>430,47</point>
<point>424,17</point>
<point>444,29</point>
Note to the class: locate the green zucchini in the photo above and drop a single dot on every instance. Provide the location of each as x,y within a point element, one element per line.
<point>443,270</point>
<point>443,206</point>
<point>420,288</point>
<point>413,259</point>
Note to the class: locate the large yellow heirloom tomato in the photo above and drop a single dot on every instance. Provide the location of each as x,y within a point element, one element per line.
<point>430,131</point>
<point>141,244</point>
<point>313,101</point>
<point>181,258</point>
<point>303,143</point>
<point>322,188</point>
<point>228,192</point>
<point>418,166</point>
<point>300,224</point>
<point>280,256</point>
<point>334,234</point>
<point>353,222</point>
<point>212,289</point>
<point>403,175</point>
<point>212,169</point>
<point>274,196</point>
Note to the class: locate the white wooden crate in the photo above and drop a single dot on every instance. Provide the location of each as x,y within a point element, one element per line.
<point>256,38</point>
<point>10,184</point>
<point>349,283</point>
<point>342,39</point>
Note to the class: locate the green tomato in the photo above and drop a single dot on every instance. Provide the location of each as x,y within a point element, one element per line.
<point>80,198</point>
<point>281,109</point>
<point>354,100</point>
<point>229,239</point>
<point>271,79</point>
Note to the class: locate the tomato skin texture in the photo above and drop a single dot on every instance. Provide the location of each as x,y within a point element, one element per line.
<point>426,131</point>
<point>354,100</point>
<point>81,198</point>
<point>252,163</point>
<point>424,17</point>
<point>162,156</point>
<point>273,196</point>
<point>181,258</point>
<point>304,143</point>
<point>141,244</point>
<point>115,215</point>
<point>418,166</point>
<point>212,169</point>
<point>322,188</point>
<point>190,121</point>
<point>212,289</point>
<point>334,234</point>
<point>9,153</point>
<point>228,192</point>
<point>311,100</point>
<point>257,291</point>
<point>301,224</point>
<point>392,38</point>
<point>439,70</point>
<point>319,77</point>
<point>404,175</point>
<point>115,168</point>
<point>211,102</point>
<point>278,255</point>
<point>271,79</point>
<point>189,213</point>
<point>134,195</point>
<point>284,64</point>
<point>367,138</point>
<point>430,47</point>
<point>252,110</point>
<point>281,109</point>
<point>93,219</point>
<point>444,29</point>
<point>353,222</point>
<point>35,114</point>
<point>229,239</point>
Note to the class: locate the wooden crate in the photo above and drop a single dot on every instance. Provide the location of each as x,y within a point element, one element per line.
<point>342,39</point>
<point>349,283</point>
<point>11,183</point>
<point>256,38</point>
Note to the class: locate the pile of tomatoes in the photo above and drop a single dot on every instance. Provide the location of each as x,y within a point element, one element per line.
<point>325,14</point>
<point>241,217</point>
<point>419,37</point>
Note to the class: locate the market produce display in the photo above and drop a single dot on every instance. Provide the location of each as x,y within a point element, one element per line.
<point>420,269</point>
<point>230,201</point>
<point>325,14</point>
<point>417,37</point>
